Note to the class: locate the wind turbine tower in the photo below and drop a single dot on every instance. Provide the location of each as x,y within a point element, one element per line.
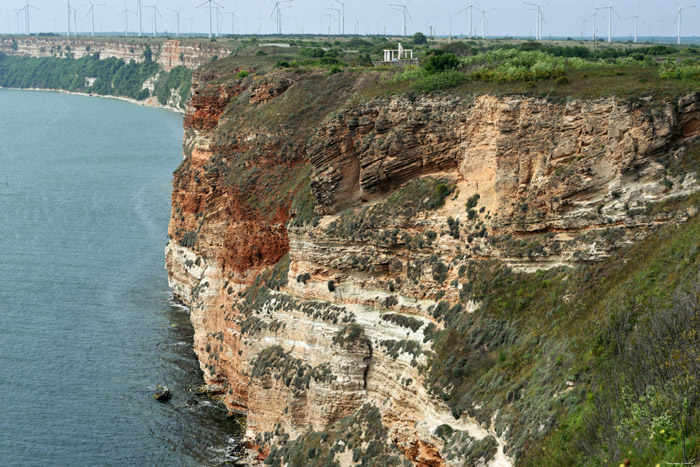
<point>337,12</point>
<point>610,12</point>
<point>92,10</point>
<point>155,11</point>
<point>177,18</point>
<point>139,13</point>
<point>636,20</point>
<point>583,24</point>
<point>233,18</point>
<point>484,21</point>
<point>210,10</point>
<point>404,11</point>
<point>26,8</point>
<point>471,8</point>
<point>68,18</point>
<point>126,14</point>
<point>539,18</point>
<point>679,16</point>
<point>342,6</point>
<point>277,12</point>
<point>449,38</point>
<point>595,16</point>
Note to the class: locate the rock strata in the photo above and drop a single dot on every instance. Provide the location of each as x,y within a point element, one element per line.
<point>317,299</point>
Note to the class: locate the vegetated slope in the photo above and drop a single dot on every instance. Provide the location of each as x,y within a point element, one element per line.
<point>442,278</point>
<point>108,77</point>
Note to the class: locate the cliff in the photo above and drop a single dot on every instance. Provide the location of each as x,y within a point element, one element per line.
<point>167,53</point>
<point>335,249</point>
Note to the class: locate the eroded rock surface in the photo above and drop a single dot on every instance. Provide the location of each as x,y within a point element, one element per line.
<point>314,248</point>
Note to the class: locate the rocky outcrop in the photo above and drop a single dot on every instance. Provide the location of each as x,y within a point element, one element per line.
<point>316,258</point>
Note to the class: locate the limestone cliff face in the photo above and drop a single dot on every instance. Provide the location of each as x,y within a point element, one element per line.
<point>168,53</point>
<point>301,317</point>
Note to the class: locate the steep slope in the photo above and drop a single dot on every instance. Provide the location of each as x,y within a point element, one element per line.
<point>335,249</point>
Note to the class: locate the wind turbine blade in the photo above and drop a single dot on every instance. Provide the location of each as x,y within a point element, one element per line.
<point>204,3</point>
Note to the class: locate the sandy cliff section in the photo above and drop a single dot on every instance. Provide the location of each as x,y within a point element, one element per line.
<point>313,323</point>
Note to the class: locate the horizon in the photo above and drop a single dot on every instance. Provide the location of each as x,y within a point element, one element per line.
<point>362,17</point>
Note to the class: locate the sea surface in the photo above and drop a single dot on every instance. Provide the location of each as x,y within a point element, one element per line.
<point>87,326</point>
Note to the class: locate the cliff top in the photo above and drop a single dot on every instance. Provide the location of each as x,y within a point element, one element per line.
<point>558,69</point>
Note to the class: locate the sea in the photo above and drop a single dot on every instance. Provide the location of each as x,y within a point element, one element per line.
<point>88,328</point>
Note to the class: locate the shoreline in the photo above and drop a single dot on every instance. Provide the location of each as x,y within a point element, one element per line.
<point>143,103</point>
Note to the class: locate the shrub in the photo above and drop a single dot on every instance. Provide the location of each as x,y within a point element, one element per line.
<point>440,61</point>
<point>242,74</point>
<point>439,81</point>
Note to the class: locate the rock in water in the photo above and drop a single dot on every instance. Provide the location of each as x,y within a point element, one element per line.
<point>163,394</point>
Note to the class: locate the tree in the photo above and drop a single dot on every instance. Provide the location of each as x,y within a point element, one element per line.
<point>148,54</point>
<point>419,38</point>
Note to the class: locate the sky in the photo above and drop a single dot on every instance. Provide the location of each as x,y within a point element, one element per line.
<point>508,17</point>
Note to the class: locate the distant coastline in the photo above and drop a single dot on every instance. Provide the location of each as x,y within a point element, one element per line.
<point>150,102</point>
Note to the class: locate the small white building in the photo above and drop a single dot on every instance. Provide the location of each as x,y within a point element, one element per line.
<point>396,55</point>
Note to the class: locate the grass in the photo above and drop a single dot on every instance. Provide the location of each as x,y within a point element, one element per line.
<point>543,349</point>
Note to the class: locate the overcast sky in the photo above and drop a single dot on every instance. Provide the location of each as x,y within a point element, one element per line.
<point>509,17</point>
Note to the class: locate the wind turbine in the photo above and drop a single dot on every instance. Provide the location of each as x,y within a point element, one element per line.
<point>139,13</point>
<point>583,24</point>
<point>155,11</point>
<point>68,17</point>
<point>18,12</point>
<point>679,17</point>
<point>177,18</point>
<point>75,20</point>
<point>539,19</point>
<point>471,12</point>
<point>342,6</point>
<point>484,22</point>
<point>449,39</point>
<point>330,17</point>
<point>8,17</point>
<point>233,18</point>
<point>277,12</point>
<point>217,16</point>
<point>26,8</point>
<point>337,11</point>
<point>636,20</point>
<point>126,14</point>
<point>404,10</point>
<point>595,16</point>
<point>92,10</point>
<point>210,9</point>
<point>610,12</point>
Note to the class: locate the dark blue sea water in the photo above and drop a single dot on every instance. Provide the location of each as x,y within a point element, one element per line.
<point>87,329</point>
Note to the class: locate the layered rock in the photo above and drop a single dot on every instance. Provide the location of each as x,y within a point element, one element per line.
<point>313,248</point>
<point>168,53</point>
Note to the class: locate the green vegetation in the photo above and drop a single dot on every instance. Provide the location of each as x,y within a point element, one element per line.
<point>362,433</point>
<point>585,366</point>
<point>562,70</point>
<point>178,79</point>
<point>90,74</point>
<point>295,374</point>
<point>403,320</point>
<point>423,194</point>
<point>351,336</point>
